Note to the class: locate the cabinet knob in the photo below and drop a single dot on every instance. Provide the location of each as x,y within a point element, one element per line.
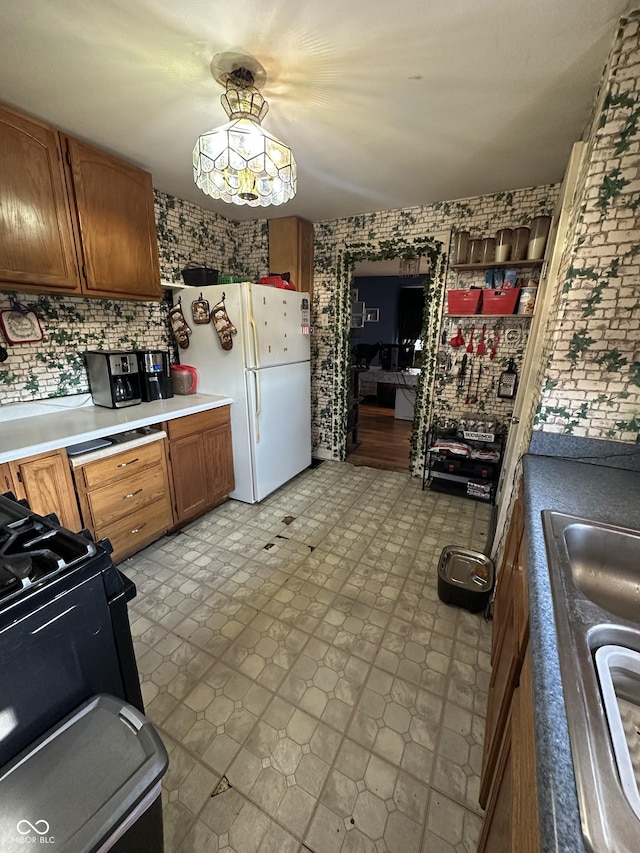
<point>137,529</point>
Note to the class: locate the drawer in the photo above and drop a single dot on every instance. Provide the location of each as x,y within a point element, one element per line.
<point>132,533</point>
<point>122,464</point>
<point>122,497</point>
<point>200,422</point>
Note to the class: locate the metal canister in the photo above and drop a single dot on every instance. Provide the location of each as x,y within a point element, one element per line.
<point>527,300</point>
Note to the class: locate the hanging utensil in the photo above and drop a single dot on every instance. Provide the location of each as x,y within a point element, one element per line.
<point>458,340</point>
<point>467,399</point>
<point>482,347</point>
<point>494,345</point>
<point>470,344</point>
<point>462,372</point>
<point>508,381</point>
<point>475,396</point>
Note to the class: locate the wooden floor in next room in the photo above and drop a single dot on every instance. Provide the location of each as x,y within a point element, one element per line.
<point>383,440</point>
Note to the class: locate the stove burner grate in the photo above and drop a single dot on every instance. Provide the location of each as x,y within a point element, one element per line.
<point>32,549</point>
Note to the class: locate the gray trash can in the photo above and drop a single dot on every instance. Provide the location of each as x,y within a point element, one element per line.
<point>89,785</point>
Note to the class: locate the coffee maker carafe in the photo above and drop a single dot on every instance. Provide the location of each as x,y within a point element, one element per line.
<point>155,375</point>
<point>113,378</point>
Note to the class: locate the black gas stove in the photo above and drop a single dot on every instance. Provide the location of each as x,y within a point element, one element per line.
<point>64,625</point>
<point>34,549</point>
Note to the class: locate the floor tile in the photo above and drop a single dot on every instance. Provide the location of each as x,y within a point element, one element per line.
<point>313,691</point>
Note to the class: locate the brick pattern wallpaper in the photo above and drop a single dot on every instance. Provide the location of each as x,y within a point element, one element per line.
<point>55,367</point>
<point>591,381</point>
<point>481,216</point>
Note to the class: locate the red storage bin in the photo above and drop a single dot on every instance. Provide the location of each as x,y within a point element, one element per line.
<point>500,301</point>
<point>464,301</point>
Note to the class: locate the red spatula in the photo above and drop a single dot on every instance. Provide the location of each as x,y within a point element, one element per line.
<point>470,344</point>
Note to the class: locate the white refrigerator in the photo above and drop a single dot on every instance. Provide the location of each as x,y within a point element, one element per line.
<point>266,373</point>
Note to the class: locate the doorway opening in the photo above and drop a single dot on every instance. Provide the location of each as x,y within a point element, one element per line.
<point>386,327</point>
<point>432,250</point>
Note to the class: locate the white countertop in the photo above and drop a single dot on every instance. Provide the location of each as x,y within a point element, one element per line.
<point>29,428</point>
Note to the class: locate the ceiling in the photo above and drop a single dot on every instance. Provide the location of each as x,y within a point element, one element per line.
<point>385,104</point>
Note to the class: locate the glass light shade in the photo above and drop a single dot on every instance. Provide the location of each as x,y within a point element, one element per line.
<point>241,163</point>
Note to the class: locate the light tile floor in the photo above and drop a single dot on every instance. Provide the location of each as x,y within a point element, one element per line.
<point>313,692</point>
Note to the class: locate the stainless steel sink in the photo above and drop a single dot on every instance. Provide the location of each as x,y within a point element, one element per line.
<point>594,571</point>
<point>605,565</point>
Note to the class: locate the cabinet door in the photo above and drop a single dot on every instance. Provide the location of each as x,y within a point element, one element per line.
<point>114,203</point>
<point>6,480</point>
<point>526,830</point>
<point>497,829</point>
<point>511,820</point>
<point>510,634</point>
<point>37,246</point>
<point>45,481</point>
<point>219,459</point>
<point>190,477</point>
<point>291,250</point>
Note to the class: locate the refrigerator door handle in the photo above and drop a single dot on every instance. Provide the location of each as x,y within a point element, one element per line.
<point>258,405</point>
<point>254,330</point>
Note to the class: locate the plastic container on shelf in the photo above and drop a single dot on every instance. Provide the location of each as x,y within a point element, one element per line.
<point>539,229</point>
<point>464,301</point>
<point>520,243</point>
<point>502,301</point>
<point>527,300</point>
<point>461,247</point>
<point>475,250</point>
<point>504,239</point>
<point>488,254</point>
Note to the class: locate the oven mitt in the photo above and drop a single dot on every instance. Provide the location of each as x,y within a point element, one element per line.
<point>224,326</point>
<point>179,326</point>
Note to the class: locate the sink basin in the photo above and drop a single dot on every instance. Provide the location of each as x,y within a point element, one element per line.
<point>594,572</point>
<point>605,565</point>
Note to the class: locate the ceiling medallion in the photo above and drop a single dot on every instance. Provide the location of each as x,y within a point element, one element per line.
<point>240,162</point>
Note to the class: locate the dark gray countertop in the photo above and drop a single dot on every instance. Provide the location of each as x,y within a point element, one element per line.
<point>589,488</point>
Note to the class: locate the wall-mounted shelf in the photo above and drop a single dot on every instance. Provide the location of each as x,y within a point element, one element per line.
<point>490,316</point>
<point>172,285</point>
<point>516,265</point>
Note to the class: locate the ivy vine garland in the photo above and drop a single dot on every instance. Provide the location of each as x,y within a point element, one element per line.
<point>434,283</point>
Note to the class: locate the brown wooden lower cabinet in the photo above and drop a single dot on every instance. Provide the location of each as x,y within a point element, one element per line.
<point>125,497</point>
<point>508,783</point>
<point>511,819</point>
<point>200,462</point>
<point>45,481</point>
<point>135,495</point>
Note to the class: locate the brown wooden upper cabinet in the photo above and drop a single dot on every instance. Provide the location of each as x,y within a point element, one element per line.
<point>291,250</point>
<point>114,203</point>
<point>37,245</point>
<point>73,219</point>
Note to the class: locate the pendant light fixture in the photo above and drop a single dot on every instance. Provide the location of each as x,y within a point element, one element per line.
<point>240,162</point>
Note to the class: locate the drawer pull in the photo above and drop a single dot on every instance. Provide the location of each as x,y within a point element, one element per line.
<point>132,494</point>
<point>124,464</point>
<point>137,529</point>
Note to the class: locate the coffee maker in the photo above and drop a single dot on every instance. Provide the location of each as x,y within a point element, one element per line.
<point>113,378</point>
<point>155,375</point>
